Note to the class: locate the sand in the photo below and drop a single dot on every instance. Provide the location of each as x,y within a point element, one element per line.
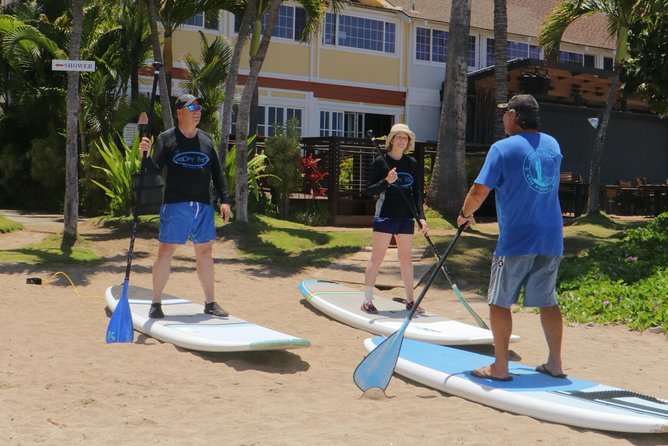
<point>61,384</point>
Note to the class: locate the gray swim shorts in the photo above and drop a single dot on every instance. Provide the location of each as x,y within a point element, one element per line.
<point>536,273</point>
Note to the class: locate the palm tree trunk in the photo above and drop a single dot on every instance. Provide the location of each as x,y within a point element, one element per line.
<point>71,208</point>
<point>167,120</point>
<point>241,160</point>
<point>231,83</point>
<point>448,184</point>
<point>594,200</point>
<point>500,63</point>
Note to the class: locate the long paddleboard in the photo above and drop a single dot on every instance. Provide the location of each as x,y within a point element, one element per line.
<point>343,304</point>
<point>570,401</point>
<point>185,325</point>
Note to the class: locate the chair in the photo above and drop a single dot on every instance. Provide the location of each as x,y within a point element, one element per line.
<point>610,199</point>
<point>571,193</point>
<point>629,197</point>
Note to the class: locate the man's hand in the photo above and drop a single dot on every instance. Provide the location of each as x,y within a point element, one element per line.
<point>225,211</point>
<point>145,145</point>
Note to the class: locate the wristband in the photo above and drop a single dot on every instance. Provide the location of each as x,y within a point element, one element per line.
<point>461,214</point>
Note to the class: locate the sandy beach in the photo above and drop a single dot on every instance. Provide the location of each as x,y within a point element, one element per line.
<point>61,384</point>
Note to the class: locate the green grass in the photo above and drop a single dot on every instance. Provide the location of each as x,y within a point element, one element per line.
<point>269,241</point>
<point>47,252</point>
<point>7,225</point>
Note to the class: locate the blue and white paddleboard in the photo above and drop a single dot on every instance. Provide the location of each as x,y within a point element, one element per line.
<point>570,401</point>
<point>185,325</point>
<point>343,304</point>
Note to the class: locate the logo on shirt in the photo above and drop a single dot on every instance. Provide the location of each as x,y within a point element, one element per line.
<point>403,180</point>
<point>540,170</point>
<point>191,160</point>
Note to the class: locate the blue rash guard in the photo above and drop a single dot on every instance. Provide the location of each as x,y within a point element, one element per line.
<point>524,172</point>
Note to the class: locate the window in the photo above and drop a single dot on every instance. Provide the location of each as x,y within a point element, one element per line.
<point>331,123</point>
<point>349,124</point>
<point>290,23</point>
<point>268,116</point>
<point>206,20</point>
<point>432,45</point>
<point>589,60</point>
<point>608,63</point>
<point>516,50</point>
<point>360,32</point>
<point>570,58</point>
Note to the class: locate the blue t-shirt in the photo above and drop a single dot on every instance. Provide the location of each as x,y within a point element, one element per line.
<point>523,170</point>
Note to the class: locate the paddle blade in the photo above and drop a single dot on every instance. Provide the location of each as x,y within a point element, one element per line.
<point>375,370</point>
<point>120,325</point>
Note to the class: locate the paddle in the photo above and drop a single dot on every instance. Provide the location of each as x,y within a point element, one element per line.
<point>120,325</point>
<point>375,370</point>
<point>442,266</point>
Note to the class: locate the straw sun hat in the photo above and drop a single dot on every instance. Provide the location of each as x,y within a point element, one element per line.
<point>401,128</point>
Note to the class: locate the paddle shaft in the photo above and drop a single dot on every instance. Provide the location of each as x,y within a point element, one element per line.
<point>135,207</point>
<point>375,370</point>
<point>442,266</point>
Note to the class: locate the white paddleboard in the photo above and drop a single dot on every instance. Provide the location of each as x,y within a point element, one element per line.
<point>343,304</point>
<point>185,325</point>
<point>570,401</point>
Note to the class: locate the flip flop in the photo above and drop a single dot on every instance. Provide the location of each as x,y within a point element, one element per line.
<point>543,369</point>
<point>480,373</point>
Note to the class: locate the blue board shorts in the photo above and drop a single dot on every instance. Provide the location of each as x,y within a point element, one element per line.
<point>187,220</point>
<point>394,225</point>
<point>536,273</point>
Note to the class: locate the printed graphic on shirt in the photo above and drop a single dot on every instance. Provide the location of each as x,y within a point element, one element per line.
<point>404,180</point>
<point>191,160</point>
<point>540,170</point>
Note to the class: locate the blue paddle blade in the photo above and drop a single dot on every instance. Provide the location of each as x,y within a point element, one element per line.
<point>120,325</point>
<point>375,370</point>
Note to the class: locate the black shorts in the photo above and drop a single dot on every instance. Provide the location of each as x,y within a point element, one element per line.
<point>394,225</point>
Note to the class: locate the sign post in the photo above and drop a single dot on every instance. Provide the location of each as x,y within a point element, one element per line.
<point>72,65</point>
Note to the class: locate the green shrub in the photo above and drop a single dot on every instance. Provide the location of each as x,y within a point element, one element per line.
<point>624,282</point>
<point>283,152</point>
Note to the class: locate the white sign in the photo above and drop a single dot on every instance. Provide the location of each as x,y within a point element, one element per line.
<point>72,65</point>
<point>129,132</point>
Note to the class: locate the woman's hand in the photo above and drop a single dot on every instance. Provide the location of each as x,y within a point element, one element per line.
<point>425,226</point>
<point>391,176</point>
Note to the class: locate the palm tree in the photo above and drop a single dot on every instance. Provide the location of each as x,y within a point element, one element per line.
<point>71,211</point>
<point>500,63</point>
<point>447,189</point>
<point>231,83</point>
<point>206,79</point>
<point>241,160</point>
<point>315,10</point>
<point>620,14</point>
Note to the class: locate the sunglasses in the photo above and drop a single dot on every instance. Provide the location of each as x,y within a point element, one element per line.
<point>194,107</point>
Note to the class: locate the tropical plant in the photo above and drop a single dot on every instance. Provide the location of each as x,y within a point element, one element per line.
<point>283,151</point>
<point>121,163</point>
<point>312,175</point>
<point>447,188</point>
<point>206,79</point>
<point>646,70</point>
<point>257,167</point>
<point>620,15</point>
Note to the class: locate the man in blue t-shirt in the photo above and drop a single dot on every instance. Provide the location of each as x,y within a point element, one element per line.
<point>523,169</point>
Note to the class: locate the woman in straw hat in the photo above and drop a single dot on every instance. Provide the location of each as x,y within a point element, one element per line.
<point>392,175</point>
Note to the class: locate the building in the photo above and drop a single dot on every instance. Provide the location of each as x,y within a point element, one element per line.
<point>378,62</point>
